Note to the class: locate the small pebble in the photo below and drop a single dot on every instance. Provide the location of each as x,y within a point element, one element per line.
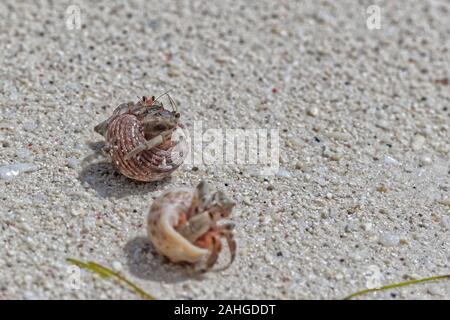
<point>29,126</point>
<point>425,160</point>
<point>339,136</point>
<point>391,161</point>
<point>383,124</point>
<point>78,212</point>
<point>313,112</point>
<point>173,72</point>
<point>351,227</point>
<point>89,224</point>
<point>331,155</point>
<point>367,226</point>
<point>299,165</point>
<point>72,163</point>
<point>435,291</point>
<point>294,142</point>
<point>117,266</point>
<point>11,171</point>
<point>268,258</point>
<point>417,142</point>
<point>247,201</point>
<point>389,240</point>
<point>29,295</point>
<point>283,173</point>
<point>24,154</point>
<point>28,278</point>
<point>446,222</point>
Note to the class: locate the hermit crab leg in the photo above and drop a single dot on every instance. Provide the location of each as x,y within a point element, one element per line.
<point>211,242</point>
<point>172,102</point>
<point>150,144</point>
<point>227,232</point>
<point>216,248</point>
<point>202,192</point>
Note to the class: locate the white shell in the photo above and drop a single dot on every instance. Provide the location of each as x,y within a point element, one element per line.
<point>163,216</point>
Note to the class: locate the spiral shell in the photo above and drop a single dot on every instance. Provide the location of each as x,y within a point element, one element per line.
<point>163,216</point>
<point>124,133</point>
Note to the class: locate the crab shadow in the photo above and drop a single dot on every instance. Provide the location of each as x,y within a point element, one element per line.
<point>103,177</point>
<point>145,263</point>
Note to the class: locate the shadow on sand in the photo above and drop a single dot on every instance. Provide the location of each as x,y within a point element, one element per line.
<point>103,177</point>
<point>145,263</point>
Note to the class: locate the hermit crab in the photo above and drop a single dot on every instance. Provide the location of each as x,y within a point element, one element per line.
<point>144,140</point>
<point>183,225</point>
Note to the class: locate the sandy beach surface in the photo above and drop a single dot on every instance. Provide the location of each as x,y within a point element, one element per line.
<point>361,194</point>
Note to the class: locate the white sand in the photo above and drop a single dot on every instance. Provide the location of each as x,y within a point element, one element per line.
<point>353,207</point>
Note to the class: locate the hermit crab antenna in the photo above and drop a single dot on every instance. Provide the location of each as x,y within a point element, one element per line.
<point>172,102</point>
<point>163,94</point>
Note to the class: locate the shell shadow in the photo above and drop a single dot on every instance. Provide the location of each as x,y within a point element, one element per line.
<point>103,177</point>
<point>145,263</point>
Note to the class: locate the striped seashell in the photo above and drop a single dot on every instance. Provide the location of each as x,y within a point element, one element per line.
<point>163,217</point>
<point>125,133</point>
<point>145,141</point>
<point>183,225</point>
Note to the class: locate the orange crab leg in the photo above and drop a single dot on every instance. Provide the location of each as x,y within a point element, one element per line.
<point>211,241</point>
<point>206,240</point>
